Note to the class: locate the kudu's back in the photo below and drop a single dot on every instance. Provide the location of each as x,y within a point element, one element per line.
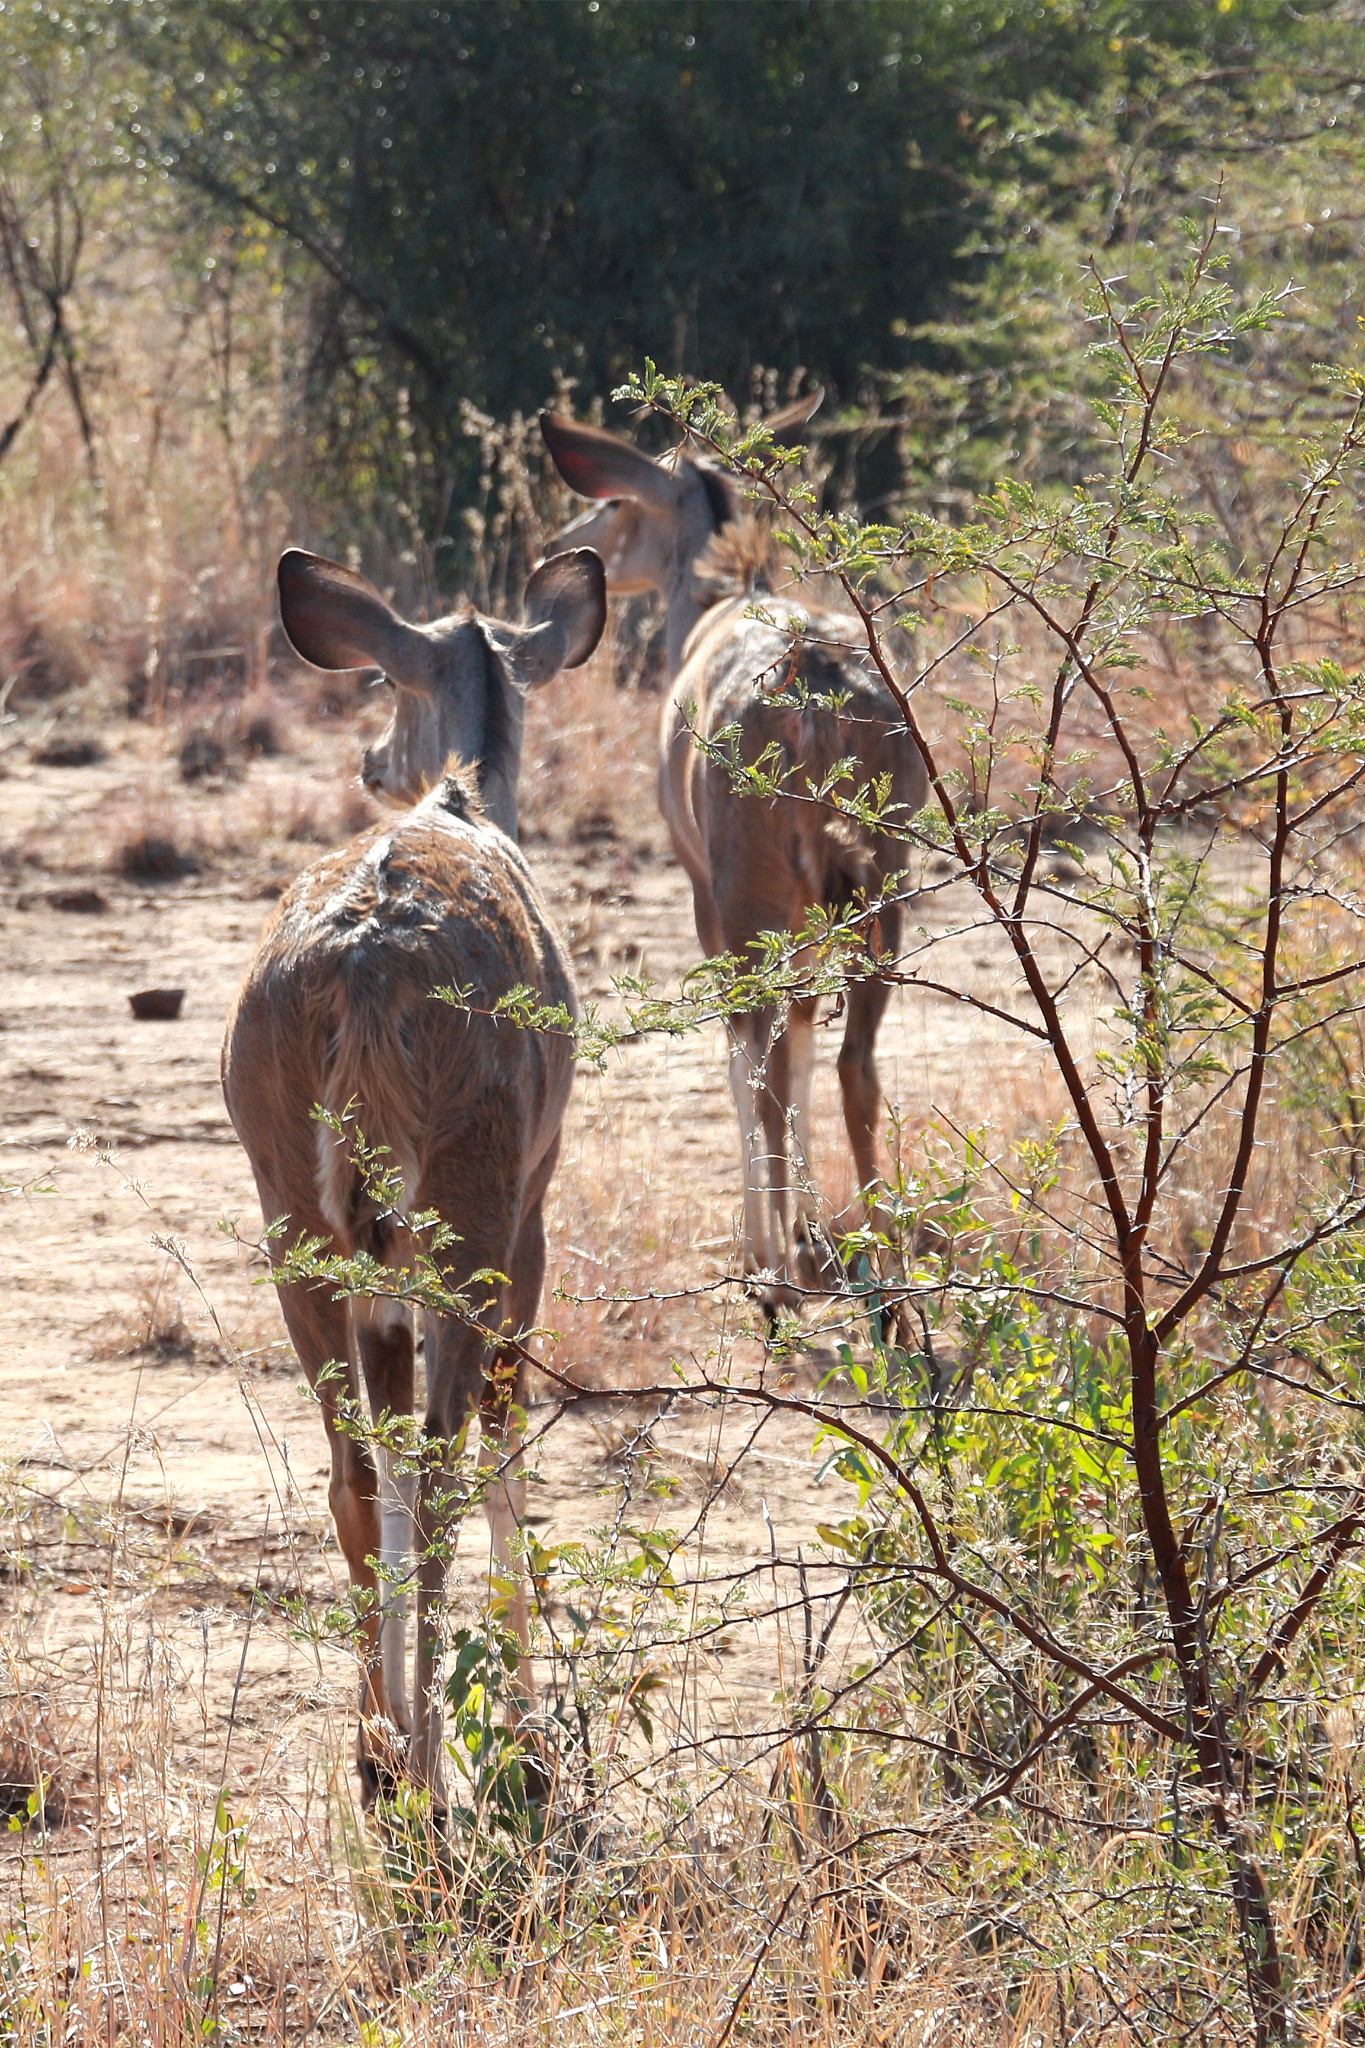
<point>339,1011</point>
<point>805,703</point>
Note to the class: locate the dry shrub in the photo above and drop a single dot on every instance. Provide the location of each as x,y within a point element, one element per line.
<point>261,809</point>
<point>136,574</point>
<point>298,812</point>
<point>43,645</point>
<point>256,1903</point>
<point>151,1322</point>
<point>724,1879</point>
<point>153,857</point>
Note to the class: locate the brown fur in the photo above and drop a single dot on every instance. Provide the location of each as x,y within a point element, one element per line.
<point>338,1011</point>
<point>797,681</point>
<point>801,696</point>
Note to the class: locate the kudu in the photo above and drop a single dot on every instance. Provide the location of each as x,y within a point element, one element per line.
<point>338,1011</point>
<point>795,681</point>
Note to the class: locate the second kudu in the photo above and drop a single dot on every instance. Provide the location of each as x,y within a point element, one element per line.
<point>793,681</point>
<point>338,1011</point>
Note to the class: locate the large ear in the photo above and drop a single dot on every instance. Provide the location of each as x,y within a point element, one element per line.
<point>789,418</point>
<point>597,464</point>
<point>337,619</point>
<point>566,609</point>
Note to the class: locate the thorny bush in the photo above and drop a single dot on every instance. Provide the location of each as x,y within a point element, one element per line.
<point>1100,1388</point>
<point>1110,1531</point>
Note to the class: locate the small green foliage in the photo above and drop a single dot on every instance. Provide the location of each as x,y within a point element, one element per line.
<point>483,1750</point>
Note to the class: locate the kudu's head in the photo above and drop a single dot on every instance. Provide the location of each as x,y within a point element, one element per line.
<point>658,516</point>
<point>460,683</point>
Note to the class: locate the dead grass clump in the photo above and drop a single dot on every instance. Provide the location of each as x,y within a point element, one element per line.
<point>217,743</point>
<point>262,736</point>
<point>153,857</point>
<point>327,820</point>
<point>594,828</point>
<point>211,639</point>
<point>624,1256</point>
<point>152,1324</point>
<point>70,750</point>
<point>300,812</point>
<point>167,1337</point>
<point>45,655</point>
<point>36,1783</point>
<point>202,754</point>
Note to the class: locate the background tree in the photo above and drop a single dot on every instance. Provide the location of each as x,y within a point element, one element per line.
<point>489,192</point>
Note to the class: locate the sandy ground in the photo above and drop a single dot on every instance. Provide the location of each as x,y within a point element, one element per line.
<point>164,1464</point>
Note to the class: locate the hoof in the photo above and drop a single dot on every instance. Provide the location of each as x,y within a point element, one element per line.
<point>372,1788</point>
<point>772,1297</point>
<point>537,1776</point>
<point>816,1264</point>
<point>382,1761</point>
<point>894,1329</point>
<point>779,1307</point>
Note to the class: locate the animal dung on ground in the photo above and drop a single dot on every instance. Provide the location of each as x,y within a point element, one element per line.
<point>162,1004</point>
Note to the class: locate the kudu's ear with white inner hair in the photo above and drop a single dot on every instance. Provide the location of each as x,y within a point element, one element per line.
<point>597,464</point>
<point>566,610</point>
<point>335,618</point>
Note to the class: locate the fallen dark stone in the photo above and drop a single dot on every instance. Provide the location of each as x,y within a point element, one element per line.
<point>85,902</point>
<point>161,1004</point>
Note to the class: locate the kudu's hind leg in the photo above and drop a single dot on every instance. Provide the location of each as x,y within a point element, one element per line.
<point>500,1425</point>
<point>318,1330</point>
<point>751,1049</point>
<point>810,1255</point>
<point>858,1081</point>
<point>455,1359</point>
<point>867,1001</point>
<point>778,1146</point>
<point>458,1356</point>
<point>384,1341</point>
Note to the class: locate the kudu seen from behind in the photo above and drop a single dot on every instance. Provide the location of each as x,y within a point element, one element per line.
<point>338,1012</point>
<point>797,684</point>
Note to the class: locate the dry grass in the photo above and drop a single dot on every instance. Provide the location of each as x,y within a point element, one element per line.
<point>183,1855</point>
<point>172,1866</point>
<point>587,778</point>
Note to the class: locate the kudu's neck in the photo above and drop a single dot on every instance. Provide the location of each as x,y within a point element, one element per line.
<point>499,764</point>
<point>685,607</point>
<point>499,793</point>
<point>482,740</point>
<point>496,789</point>
<point>685,600</point>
